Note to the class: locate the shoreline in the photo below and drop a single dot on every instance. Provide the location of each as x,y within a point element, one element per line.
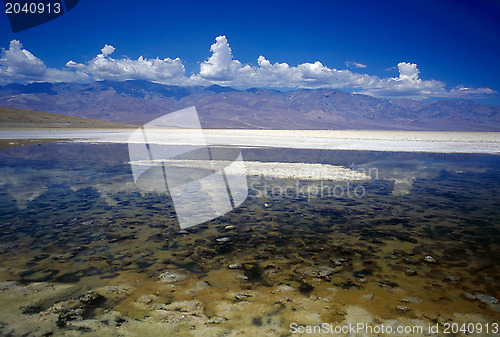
<point>363,140</point>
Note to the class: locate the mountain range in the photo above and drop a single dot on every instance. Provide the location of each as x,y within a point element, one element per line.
<point>139,102</point>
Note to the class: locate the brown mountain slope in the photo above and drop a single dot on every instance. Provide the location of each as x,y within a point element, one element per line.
<point>20,119</point>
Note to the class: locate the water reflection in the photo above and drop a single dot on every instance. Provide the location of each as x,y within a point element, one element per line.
<point>72,214</point>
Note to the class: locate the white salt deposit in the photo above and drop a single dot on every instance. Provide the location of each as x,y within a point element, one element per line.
<point>301,171</point>
<point>408,141</point>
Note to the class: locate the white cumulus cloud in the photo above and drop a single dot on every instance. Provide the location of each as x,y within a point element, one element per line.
<point>17,61</point>
<point>104,67</point>
<point>355,64</point>
<point>408,72</point>
<point>107,50</point>
<point>460,91</point>
<point>19,65</point>
<point>409,85</point>
<point>220,66</point>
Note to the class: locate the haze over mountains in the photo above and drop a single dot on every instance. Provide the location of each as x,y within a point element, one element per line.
<point>138,102</point>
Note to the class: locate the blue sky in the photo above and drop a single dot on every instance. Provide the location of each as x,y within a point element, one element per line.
<point>413,49</point>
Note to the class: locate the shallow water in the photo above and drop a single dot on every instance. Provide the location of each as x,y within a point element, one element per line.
<point>72,218</point>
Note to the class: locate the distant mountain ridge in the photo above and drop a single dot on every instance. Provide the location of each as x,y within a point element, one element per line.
<point>139,101</point>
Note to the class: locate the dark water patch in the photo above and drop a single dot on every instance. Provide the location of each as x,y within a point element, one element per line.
<point>31,309</point>
<point>405,237</point>
<point>305,288</point>
<point>142,265</point>
<point>379,187</point>
<point>68,278</point>
<point>76,276</point>
<point>387,283</point>
<point>109,275</point>
<point>346,285</point>
<point>257,321</point>
<point>362,273</point>
<point>112,238</point>
<point>390,222</point>
<point>38,275</point>
<point>40,257</point>
<point>191,267</point>
<point>225,248</point>
<point>253,273</point>
<point>8,206</point>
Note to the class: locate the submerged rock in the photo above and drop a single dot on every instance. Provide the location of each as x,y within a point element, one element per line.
<point>339,261</point>
<point>224,239</point>
<point>91,298</point>
<point>285,288</point>
<point>469,296</point>
<point>170,277</point>
<point>367,297</point>
<point>387,283</point>
<point>5,285</point>
<point>31,308</point>
<point>200,286</point>
<point>410,300</point>
<point>217,320</point>
<point>486,299</point>
<point>146,299</point>
<point>240,276</point>
<point>235,266</point>
<point>410,272</point>
<point>319,272</point>
<point>402,308</point>
<point>242,296</point>
<point>430,259</point>
<point>188,307</point>
<point>69,311</point>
